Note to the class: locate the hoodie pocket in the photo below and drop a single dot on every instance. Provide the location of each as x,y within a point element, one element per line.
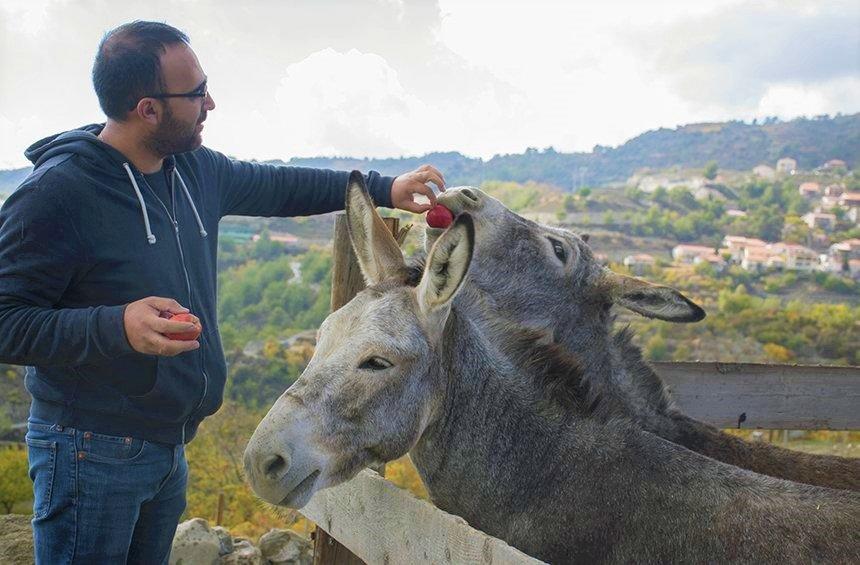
<point>169,400</point>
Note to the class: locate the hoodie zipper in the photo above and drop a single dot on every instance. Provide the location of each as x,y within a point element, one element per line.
<point>175,222</point>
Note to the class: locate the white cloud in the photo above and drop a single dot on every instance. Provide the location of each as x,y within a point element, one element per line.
<point>345,104</point>
<point>788,100</point>
<point>385,77</point>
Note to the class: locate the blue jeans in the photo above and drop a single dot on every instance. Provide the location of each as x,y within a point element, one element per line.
<point>103,499</point>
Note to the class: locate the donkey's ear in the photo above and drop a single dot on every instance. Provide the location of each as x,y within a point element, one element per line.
<point>375,248</point>
<point>651,300</point>
<point>447,265</point>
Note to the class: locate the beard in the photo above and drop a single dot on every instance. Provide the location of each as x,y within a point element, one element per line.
<point>173,136</point>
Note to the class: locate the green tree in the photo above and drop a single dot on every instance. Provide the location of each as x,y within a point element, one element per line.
<point>15,485</point>
<point>710,171</point>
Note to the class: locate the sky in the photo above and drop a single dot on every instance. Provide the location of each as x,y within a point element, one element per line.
<point>390,78</point>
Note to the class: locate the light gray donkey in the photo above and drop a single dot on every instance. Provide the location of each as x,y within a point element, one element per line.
<point>548,279</point>
<point>399,370</point>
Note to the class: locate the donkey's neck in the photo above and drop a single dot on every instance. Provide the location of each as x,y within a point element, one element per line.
<point>611,365</point>
<point>497,444</point>
<point>614,366</point>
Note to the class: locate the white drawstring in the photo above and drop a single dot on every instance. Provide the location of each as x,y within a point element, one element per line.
<point>190,201</point>
<point>150,237</point>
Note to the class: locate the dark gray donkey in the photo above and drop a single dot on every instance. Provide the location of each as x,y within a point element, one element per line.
<point>547,279</point>
<point>509,441</point>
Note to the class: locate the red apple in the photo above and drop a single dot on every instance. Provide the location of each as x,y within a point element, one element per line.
<point>190,335</point>
<point>439,217</point>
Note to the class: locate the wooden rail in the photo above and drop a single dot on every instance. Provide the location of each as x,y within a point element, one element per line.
<point>749,395</point>
<point>381,523</point>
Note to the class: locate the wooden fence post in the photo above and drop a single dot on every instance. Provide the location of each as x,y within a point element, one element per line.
<point>346,282</point>
<point>219,517</point>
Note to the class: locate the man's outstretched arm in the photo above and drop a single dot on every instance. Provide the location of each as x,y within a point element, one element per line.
<point>256,189</point>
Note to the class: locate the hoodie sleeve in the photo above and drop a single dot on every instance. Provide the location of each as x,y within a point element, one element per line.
<point>257,189</point>
<point>40,255</point>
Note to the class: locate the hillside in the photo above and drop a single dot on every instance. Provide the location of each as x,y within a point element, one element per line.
<point>734,145</point>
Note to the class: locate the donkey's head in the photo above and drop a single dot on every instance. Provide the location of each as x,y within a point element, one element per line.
<point>374,382</point>
<point>546,277</point>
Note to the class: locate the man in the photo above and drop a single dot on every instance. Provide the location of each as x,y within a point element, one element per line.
<point>115,227</point>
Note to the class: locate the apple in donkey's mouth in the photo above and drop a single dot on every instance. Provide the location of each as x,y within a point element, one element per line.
<point>439,217</point>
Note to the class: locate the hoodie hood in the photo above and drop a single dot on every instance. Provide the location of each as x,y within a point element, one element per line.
<point>83,142</point>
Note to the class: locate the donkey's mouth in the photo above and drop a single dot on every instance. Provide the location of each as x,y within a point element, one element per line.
<point>302,492</point>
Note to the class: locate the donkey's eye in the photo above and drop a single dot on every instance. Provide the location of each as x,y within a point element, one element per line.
<point>375,364</point>
<point>558,248</point>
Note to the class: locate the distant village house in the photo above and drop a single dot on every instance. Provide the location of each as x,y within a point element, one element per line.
<point>765,172</point>
<point>786,165</point>
<point>834,164</point>
<point>639,263</point>
<point>851,202</point>
<point>810,190</point>
<point>820,220</point>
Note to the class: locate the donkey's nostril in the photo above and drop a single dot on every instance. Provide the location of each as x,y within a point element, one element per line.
<point>274,466</point>
<point>469,194</point>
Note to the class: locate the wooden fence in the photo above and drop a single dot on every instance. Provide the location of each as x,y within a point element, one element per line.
<point>370,520</point>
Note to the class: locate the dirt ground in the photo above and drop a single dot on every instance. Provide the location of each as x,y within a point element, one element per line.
<point>16,540</point>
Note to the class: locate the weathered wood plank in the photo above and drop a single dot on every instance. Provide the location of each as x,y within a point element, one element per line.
<point>381,523</point>
<point>794,397</point>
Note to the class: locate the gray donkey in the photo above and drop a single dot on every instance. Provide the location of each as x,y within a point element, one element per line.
<point>398,370</point>
<point>547,279</point>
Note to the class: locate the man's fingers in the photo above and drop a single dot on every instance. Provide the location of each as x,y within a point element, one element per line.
<point>435,178</point>
<point>438,174</point>
<point>416,207</point>
<point>165,326</point>
<point>170,347</point>
<point>166,305</point>
<point>426,191</point>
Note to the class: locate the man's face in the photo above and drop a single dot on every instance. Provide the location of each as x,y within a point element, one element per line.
<point>181,124</point>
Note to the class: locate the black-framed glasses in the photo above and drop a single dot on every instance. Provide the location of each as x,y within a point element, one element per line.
<point>200,92</point>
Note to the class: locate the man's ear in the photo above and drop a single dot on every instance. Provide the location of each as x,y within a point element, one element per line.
<point>375,248</point>
<point>148,110</point>
<point>650,300</point>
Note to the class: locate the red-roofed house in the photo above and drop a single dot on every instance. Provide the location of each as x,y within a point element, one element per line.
<point>835,164</point>
<point>687,253</point>
<point>822,220</point>
<point>736,244</point>
<point>755,258</point>
<point>797,257</point>
<point>834,190</point>
<point>810,190</point>
<point>851,201</point>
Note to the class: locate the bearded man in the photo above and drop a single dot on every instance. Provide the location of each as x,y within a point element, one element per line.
<point>115,228</point>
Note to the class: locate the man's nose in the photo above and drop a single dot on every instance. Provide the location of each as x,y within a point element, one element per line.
<point>209,102</point>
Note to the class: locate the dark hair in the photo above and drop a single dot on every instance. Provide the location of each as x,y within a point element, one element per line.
<point>128,66</point>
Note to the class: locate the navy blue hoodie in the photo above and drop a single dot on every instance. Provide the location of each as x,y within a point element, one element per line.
<point>85,234</point>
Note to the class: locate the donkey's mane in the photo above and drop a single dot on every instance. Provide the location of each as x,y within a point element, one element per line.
<point>557,374</point>
<point>641,372</point>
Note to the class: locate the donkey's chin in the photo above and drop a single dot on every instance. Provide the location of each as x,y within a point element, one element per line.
<point>302,492</point>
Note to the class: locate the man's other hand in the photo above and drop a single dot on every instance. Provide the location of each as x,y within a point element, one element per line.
<point>145,328</point>
<point>407,185</point>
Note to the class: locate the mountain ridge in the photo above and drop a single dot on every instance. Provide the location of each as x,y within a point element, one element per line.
<point>733,144</point>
